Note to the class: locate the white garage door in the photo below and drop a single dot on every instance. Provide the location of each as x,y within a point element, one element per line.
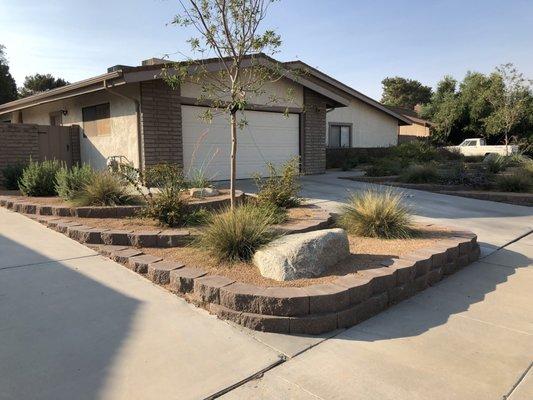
<point>268,137</point>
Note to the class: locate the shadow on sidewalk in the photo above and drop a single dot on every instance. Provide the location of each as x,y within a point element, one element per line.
<point>59,330</point>
<point>434,306</point>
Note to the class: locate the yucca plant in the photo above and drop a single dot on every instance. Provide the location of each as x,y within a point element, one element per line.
<point>236,235</point>
<point>378,215</point>
<point>104,189</point>
<point>496,163</point>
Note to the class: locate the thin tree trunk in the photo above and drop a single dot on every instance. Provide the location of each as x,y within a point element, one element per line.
<point>506,144</point>
<point>233,172</point>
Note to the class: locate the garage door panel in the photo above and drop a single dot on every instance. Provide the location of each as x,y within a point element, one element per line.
<point>268,137</point>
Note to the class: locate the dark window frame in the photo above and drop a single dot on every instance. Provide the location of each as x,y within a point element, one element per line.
<point>340,125</point>
<point>95,117</point>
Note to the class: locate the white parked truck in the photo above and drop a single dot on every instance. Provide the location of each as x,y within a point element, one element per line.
<point>478,147</point>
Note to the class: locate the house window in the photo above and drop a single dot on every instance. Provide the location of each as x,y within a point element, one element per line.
<point>96,120</point>
<point>340,135</point>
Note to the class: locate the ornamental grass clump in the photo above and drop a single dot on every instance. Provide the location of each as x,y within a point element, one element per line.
<point>421,173</point>
<point>377,215</point>
<point>519,182</point>
<point>236,235</point>
<point>39,178</point>
<point>105,189</point>
<point>70,182</point>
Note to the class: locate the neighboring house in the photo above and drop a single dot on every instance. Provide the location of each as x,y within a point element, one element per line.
<point>132,112</point>
<point>419,128</point>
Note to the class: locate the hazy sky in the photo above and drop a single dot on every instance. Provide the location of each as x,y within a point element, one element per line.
<point>357,42</point>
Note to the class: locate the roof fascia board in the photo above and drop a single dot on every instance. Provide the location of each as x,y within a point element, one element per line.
<point>75,89</point>
<point>351,91</point>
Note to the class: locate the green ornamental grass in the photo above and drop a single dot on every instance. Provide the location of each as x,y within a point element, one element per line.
<point>377,215</point>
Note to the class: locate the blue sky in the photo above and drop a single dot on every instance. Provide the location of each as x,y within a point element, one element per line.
<point>357,42</point>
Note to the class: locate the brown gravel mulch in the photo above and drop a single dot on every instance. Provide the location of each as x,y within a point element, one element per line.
<point>366,253</point>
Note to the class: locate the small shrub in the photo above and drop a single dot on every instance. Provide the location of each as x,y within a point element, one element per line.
<point>385,167</point>
<point>467,175</point>
<point>416,151</point>
<point>164,175</point>
<point>12,174</point>
<point>236,235</point>
<point>104,189</point>
<point>418,173</point>
<point>495,163</point>
<point>69,182</point>
<point>168,208</point>
<point>198,179</point>
<point>517,159</point>
<point>517,182</point>
<point>377,214</point>
<point>39,178</point>
<point>281,187</point>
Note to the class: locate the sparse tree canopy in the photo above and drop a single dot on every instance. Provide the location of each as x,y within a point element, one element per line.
<point>406,93</point>
<point>40,83</point>
<point>8,86</point>
<point>230,31</point>
<point>495,106</point>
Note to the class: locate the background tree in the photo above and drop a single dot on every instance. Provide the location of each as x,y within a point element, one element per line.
<point>406,93</point>
<point>229,30</point>
<point>444,110</point>
<point>511,99</point>
<point>8,86</point>
<point>40,83</point>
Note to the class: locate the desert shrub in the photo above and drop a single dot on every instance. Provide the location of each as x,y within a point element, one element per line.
<point>236,235</point>
<point>517,182</point>
<point>377,214</point>
<point>385,167</point>
<point>198,179</point>
<point>281,187</point>
<point>516,159</point>
<point>165,175</point>
<point>104,189</point>
<point>467,175</point>
<point>168,208</point>
<point>416,151</point>
<point>12,174</point>
<point>420,173</point>
<point>449,155</point>
<point>69,182</point>
<point>39,178</point>
<point>495,163</point>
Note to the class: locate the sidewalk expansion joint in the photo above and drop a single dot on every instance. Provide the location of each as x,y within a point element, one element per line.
<point>47,262</point>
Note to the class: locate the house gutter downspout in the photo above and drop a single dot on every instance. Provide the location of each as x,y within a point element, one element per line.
<point>138,115</point>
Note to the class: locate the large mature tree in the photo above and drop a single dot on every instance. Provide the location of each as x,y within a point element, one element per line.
<point>40,83</point>
<point>230,31</point>
<point>511,99</point>
<point>8,86</point>
<point>406,93</point>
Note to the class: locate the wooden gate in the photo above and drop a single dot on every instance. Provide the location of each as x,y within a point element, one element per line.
<point>55,142</point>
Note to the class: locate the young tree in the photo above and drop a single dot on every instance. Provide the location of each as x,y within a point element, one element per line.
<point>229,30</point>
<point>406,93</point>
<point>40,83</point>
<point>8,86</point>
<point>511,99</point>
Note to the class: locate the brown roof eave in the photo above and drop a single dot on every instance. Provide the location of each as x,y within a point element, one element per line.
<point>74,89</point>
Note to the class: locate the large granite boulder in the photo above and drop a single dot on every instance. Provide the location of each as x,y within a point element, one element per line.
<point>302,255</point>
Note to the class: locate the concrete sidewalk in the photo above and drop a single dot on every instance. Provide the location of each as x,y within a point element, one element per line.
<point>75,325</point>
<point>469,337</point>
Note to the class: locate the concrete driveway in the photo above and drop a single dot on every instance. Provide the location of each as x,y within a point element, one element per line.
<point>74,325</point>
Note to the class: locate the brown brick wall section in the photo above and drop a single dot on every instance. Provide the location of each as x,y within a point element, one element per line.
<point>314,133</point>
<point>18,142</point>
<point>75,144</point>
<point>161,123</point>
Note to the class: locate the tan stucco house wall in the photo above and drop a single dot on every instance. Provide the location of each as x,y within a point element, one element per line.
<point>370,126</point>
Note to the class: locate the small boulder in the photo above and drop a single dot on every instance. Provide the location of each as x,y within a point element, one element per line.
<point>302,255</point>
<point>203,192</point>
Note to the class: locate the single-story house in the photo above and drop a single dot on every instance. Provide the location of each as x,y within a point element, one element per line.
<point>419,128</point>
<point>132,113</point>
